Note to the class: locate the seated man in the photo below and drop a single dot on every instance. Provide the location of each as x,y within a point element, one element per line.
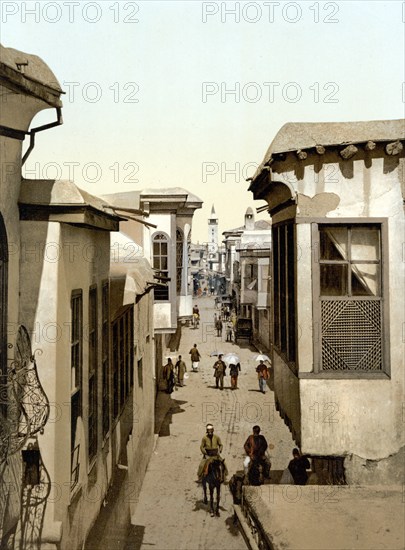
<point>255,448</point>
<point>211,447</point>
<point>298,467</point>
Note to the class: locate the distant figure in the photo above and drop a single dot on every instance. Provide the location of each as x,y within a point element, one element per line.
<point>298,467</point>
<point>168,375</point>
<point>218,326</point>
<point>219,372</point>
<point>181,369</point>
<point>195,358</point>
<point>233,319</point>
<point>229,332</point>
<point>263,375</point>
<point>234,372</point>
<point>196,316</point>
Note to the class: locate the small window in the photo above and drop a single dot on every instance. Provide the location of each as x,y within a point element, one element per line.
<point>161,264</point>
<point>179,259</point>
<point>140,373</point>
<point>250,276</point>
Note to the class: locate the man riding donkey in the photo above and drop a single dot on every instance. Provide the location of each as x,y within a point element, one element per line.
<point>211,447</point>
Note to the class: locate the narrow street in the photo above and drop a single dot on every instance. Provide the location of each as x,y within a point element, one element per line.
<point>171,514</point>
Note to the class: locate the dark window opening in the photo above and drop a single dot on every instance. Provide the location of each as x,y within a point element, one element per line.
<point>123,359</point>
<point>76,354</point>
<point>93,363</point>
<point>284,314</point>
<point>161,264</point>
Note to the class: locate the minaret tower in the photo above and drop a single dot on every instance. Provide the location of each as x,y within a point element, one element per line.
<point>213,231</point>
<point>249,220</point>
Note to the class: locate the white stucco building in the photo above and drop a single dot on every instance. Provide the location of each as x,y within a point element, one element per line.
<point>247,272</point>
<point>77,378</point>
<point>335,192</point>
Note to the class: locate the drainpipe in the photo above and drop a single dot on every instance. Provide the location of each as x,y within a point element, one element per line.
<point>32,133</point>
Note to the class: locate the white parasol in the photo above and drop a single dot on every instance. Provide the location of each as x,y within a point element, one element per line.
<point>231,359</point>
<point>261,357</point>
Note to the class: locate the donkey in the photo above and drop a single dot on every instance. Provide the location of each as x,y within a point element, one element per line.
<point>213,478</point>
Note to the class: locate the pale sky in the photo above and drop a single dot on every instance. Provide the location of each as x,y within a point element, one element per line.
<point>148,84</point>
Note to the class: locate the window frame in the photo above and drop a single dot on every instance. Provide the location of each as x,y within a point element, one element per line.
<point>284,293</point>
<point>383,298</point>
<point>250,274</point>
<point>76,392</point>
<point>179,259</point>
<point>122,360</point>
<point>164,272</point>
<point>105,359</point>
<point>92,421</point>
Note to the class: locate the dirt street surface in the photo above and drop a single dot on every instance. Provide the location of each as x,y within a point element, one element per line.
<point>171,514</point>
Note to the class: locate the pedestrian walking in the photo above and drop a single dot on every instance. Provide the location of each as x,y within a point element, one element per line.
<point>181,369</point>
<point>219,372</point>
<point>195,358</point>
<point>234,373</point>
<point>218,326</point>
<point>263,375</point>
<point>229,330</point>
<point>168,375</point>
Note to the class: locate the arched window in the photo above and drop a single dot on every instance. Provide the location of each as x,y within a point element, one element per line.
<point>179,259</point>
<point>161,263</point>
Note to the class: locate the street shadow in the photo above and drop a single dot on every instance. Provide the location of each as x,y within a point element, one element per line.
<point>244,344</point>
<point>107,519</point>
<point>175,408</point>
<point>270,381</point>
<point>199,505</point>
<point>135,537</point>
<point>233,526</point>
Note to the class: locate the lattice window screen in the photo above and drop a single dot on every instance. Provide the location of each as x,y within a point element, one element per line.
<point>351,335</point>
